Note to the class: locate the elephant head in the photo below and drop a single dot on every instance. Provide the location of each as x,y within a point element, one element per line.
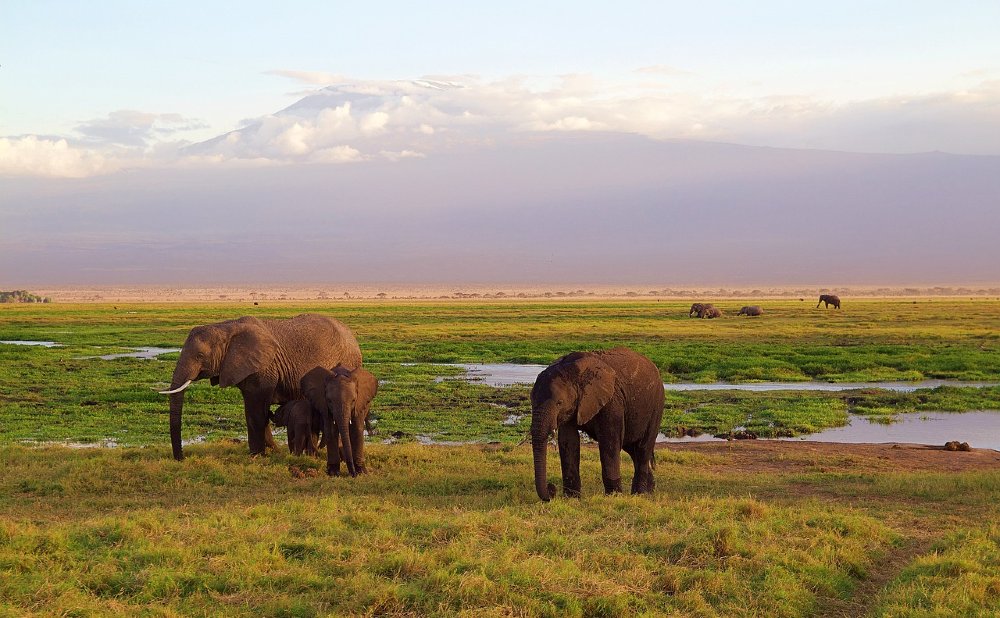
<point>570,391</point>
<point>313,385</point>
<point>226,353</point>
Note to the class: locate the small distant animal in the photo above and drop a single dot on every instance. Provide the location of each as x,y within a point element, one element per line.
<point>710,312</point>
<point>697,308</point>
<point>751,310</point>
<point>829,299</point>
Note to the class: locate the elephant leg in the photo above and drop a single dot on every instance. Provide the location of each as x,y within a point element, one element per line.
<point>358,446</point>
<point>569,459</point>
<point>611,462</point>
<point>256,408</point>
<point>643,481</point>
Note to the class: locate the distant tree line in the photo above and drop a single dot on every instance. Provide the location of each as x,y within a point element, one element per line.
<point>22,296</point>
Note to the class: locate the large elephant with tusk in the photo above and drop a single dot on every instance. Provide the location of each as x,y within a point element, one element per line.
<point>264,358</point>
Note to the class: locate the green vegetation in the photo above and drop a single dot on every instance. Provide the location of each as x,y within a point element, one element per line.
<point>21,296</point>
<point>53,394</point>
<point>450,530</point>
<point>445,530</point>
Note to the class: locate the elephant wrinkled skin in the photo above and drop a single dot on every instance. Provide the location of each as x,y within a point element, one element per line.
<point>616,398</point>
<point>264,358</point>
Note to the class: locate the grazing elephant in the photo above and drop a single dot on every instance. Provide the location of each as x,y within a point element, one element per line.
<point>751,310</point>
<point>710,312</point>
<point>343,396</point>
<point>263,358</point>
<point>698,308</point>
<point>303,425</point>
<point>616,398</point>
<point>829,299</point>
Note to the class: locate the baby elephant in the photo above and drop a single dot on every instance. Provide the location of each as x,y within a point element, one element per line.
<point>751,310</point>
<point>344,397</point>
<point>303,425</point>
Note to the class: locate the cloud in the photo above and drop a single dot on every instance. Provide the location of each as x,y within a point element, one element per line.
<point>365,120</point>
<point>134,128</point>
<point>38,156</point>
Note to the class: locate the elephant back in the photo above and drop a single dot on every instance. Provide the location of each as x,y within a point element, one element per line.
<point>311,340</point>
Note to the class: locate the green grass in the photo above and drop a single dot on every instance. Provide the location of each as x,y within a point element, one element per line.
<point>445,531</point>
<point>54,395</point>
<point>436,530</point>
<point>961,577</point>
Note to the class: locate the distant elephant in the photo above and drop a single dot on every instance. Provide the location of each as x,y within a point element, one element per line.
<point>304,425</point>
<point>616,398</point>
<point>751,310</point>
<point>829,299</point>
<point>710,312</point>
<point>343,396</point>
<point>264,358</point>
<point>698,309</point>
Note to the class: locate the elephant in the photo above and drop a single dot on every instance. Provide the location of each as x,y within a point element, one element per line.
<point>303,425</point>
<point>343,396</point>
<point>615,397</point>
<point>829,299</point>
<point>710,312</point>
<point>751,310</point>
<point>264,358</point>
<point>698,308</point>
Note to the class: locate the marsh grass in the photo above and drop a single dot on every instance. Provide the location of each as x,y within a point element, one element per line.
<point>445,531</point>
<point>433,530</point>
<point>55,395</point>
<point>961,577</point>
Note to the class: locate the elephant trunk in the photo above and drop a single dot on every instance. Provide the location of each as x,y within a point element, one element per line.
<point>343,424</point>
<point>539,447</point>
<point>176,403</point>
<point>181,379</point>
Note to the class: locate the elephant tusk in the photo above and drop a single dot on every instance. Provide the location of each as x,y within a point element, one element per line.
<point>176,390</point>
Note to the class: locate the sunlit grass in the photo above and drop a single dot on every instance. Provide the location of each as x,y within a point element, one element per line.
<point>432,530</point>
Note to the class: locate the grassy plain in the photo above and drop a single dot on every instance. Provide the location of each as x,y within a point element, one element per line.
<point>458,530</point>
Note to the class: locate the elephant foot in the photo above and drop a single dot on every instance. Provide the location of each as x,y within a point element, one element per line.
<point>571,492</point>
<point>333,470</point>
<point>612,486</point>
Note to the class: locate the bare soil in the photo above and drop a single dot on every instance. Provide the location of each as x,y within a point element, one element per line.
<point>779,456</point>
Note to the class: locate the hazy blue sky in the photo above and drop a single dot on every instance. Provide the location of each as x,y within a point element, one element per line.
<point>105,93</point>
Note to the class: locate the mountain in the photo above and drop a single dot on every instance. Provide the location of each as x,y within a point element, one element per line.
<point>527,207</point>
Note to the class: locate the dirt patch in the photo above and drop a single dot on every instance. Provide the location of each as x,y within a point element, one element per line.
<point>777,456</point>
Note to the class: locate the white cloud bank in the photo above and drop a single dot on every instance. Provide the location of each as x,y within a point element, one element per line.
<point>355,121</point>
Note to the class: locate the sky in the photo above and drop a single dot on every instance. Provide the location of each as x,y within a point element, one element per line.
<point>112,112</point>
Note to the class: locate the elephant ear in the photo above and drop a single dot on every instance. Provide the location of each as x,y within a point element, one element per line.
<point>367,388</point>
<point>597,385</point>
<point>249,351</point>
<point>313,388</point>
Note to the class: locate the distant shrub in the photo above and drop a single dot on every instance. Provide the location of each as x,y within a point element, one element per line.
<point>22,296</point>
